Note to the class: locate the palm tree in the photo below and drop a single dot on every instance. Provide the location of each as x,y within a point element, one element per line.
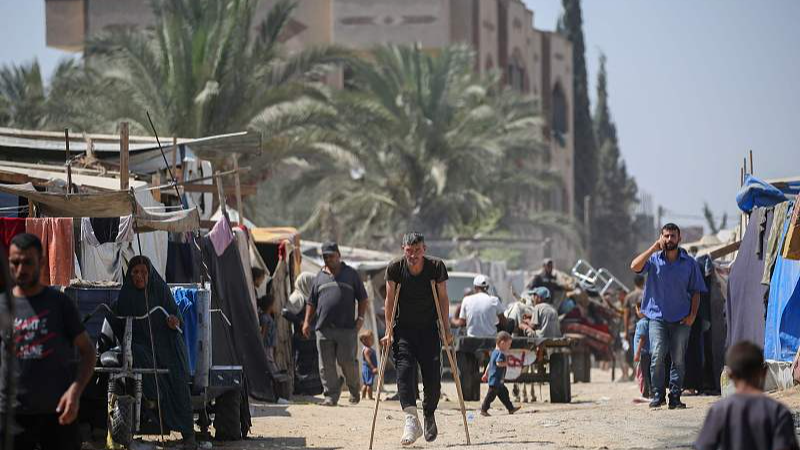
<point>421,146</point>
<point>68,101</point>
<point>202,71</point>
<point>22,96</point>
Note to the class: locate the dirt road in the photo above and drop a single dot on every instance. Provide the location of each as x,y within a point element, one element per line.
<point>603,415</point>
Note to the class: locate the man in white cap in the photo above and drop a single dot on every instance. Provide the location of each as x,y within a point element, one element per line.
<point>480,312</point>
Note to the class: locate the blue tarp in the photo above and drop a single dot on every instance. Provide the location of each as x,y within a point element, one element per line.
<point>185,298</point>
<point>782,330</point>
<point>757,192</point>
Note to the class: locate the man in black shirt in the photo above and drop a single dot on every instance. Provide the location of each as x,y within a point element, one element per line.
<point>416,338</point>
<point>748,419</point>
<point>47,329</point>
<point>332,302</point>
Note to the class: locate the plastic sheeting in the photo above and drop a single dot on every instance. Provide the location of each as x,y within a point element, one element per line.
<point>757,192</point>
<point>782,333</point>
<point>109,204</point>
<point>746,295</point>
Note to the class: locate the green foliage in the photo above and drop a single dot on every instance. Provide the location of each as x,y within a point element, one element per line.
<point>200,71</point>
<point>713,227</point>
<point>424,144</point>
<point>613,234</point>
<point>586,157</point>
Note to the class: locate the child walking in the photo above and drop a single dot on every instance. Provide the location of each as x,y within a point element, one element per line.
<point>369,365</point>
<point>495,373</point>
<point>747,419</point>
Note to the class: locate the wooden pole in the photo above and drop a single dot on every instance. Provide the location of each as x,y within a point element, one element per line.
<point>221,195</point>
<point>238,187</point>
<point>175,156</point>
<point>382,369</point>
<point>68,162</point>
<point>751,162</point>
<point>451,357</point>
<point>123,156</point>
<point>157,182</point>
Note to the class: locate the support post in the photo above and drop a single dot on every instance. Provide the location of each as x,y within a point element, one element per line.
<point>221,195</point>
<point>238,187</point>
<point>123,156</point>
<point>68,162</point>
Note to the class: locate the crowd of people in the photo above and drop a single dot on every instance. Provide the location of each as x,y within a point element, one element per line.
<point>655,319</point>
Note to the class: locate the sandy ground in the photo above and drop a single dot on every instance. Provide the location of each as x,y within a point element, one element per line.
<point>602,415</point>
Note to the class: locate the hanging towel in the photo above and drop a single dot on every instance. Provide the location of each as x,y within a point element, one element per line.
<point>10,227</point>
<point>57,241</point>
<point>221,236</point>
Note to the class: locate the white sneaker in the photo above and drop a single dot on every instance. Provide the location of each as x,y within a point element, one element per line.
<point>412,430</point>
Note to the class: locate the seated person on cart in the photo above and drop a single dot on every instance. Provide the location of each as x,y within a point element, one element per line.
<point>544,321</point>
<point>143,290</point>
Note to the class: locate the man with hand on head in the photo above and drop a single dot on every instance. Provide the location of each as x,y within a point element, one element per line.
<point>670,301</point>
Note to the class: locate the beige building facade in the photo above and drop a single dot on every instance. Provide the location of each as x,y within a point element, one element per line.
<point>501,32</point>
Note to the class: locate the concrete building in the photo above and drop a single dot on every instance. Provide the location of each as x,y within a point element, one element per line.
<point>501,32</point>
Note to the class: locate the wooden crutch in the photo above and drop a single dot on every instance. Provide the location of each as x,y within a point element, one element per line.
<point>451,357</point>
<point>384,357</point>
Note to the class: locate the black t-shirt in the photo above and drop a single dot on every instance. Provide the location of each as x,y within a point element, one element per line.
<point>45,328</point>
<point>747,422</point>
<point>335,298</point>
<point>415,308</point>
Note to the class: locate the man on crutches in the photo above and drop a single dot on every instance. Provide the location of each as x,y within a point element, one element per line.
<point>415,337</point>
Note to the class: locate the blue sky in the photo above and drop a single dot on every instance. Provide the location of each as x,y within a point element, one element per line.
<point>693,86</point>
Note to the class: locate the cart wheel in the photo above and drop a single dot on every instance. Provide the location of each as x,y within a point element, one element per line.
<point>121,419</point>
<point>582,366</point>
<point>227,416</point>
<point>560,388</point>
<point>470,378</point>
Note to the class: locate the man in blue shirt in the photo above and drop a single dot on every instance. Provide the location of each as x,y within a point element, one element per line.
<point>670,301</point>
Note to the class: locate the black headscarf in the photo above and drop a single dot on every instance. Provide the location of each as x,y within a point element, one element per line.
<point>169,347</point>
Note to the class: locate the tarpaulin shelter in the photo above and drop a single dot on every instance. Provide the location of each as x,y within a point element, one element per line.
<point>764,283</point>
<point>280,250</point>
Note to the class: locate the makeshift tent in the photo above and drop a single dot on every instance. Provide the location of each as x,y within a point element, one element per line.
<point>280,250</point>
<point>746,295</point>
<point>106,204</point>
<point>782,335</point>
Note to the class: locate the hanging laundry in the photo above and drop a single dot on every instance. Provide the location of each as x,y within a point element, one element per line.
<point>105,228</point>
<point>57,241</point>
<point>791,246</point>
<point>153,244</point>
<point>186,298</point>
<point>221,236</point>
<point>243,243</point>
<point>103,260</point>
<point>10,227</point>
